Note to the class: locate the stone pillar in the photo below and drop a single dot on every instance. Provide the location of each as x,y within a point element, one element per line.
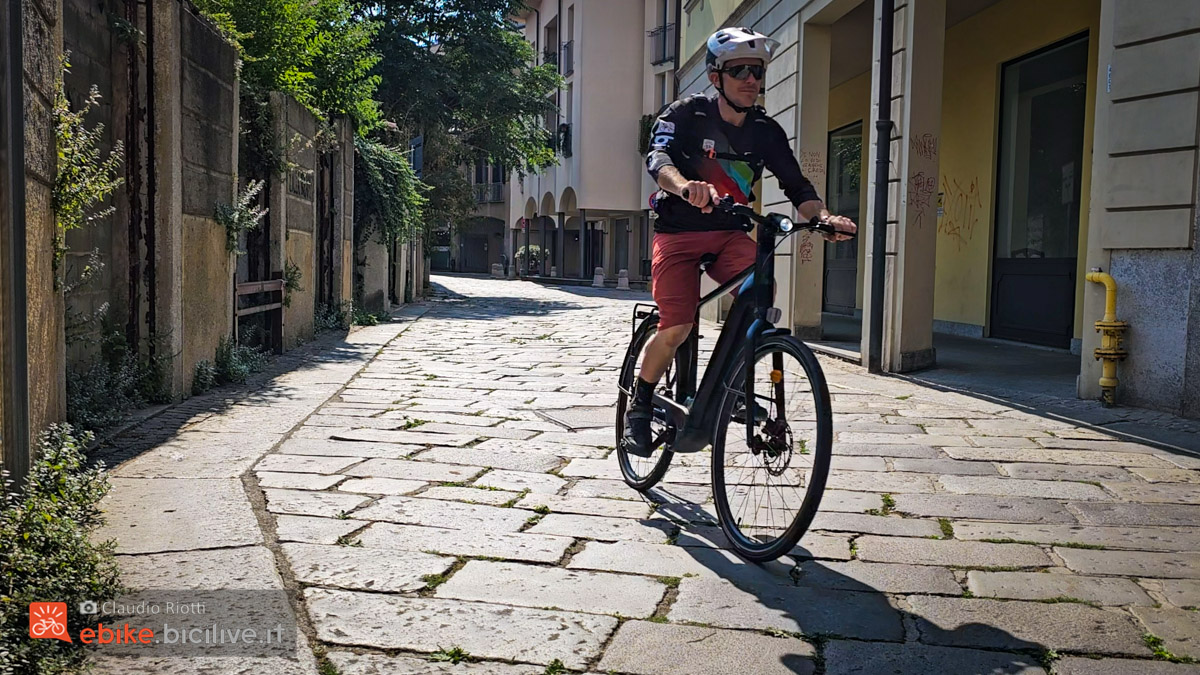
<point>918,45</point>
<point>560,244</point>
<point>509,248</point>
<point>583,243</point>
<point>167,217</point>
<point>47,347</point>
<point>812,136</point>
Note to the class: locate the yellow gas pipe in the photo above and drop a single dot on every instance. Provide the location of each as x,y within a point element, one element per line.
<point>1110,349</point>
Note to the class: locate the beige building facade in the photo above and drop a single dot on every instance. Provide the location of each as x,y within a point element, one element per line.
<point>1031,143</point>
<point>591,211</point>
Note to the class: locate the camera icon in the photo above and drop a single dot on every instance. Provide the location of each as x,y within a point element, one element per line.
<point>88,607</point>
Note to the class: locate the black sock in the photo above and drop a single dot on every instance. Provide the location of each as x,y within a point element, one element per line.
<point>643,393</point>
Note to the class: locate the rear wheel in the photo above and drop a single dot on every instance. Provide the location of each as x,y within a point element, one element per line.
<point>767,491</point>
<point>642,473</point>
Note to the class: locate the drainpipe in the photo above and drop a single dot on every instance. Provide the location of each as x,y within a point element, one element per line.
<point>16,352</point>
<point>1110,329</point>
<point>151,189</point>
<point>883,139</point>
<point>675,61</point>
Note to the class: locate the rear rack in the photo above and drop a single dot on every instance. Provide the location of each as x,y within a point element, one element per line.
<point>642,310</point>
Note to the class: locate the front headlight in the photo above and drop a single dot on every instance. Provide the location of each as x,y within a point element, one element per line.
<point>785,224</point>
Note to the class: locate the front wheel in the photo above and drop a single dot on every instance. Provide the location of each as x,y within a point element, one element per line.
<point>768,491</point>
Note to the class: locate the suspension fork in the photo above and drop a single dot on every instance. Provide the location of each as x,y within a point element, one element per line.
<point>764,279</point>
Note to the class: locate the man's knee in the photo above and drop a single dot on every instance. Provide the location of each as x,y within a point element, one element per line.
<point>675,335</point>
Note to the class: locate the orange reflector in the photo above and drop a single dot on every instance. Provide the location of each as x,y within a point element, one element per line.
<point>776,376</point>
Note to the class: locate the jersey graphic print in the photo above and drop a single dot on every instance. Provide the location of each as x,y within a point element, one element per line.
<point>731,177</point>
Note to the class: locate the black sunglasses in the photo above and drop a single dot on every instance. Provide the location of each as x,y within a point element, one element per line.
<point>744,71</point>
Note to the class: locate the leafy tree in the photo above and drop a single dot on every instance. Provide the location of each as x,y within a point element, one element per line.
<point>460,74</point>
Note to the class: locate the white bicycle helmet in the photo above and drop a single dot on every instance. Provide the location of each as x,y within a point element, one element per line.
<point>728,44</point>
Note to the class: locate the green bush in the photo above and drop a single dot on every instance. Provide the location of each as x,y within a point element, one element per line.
<point>204,378</point>
<point>332,317</point>
<point>47,554</point>
<point>363,317</point>
<point>235,362</point>
<point>103,392</point>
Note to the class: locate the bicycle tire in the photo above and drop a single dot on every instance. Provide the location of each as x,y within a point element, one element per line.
<point>747,546</point>
<point>633,467</point>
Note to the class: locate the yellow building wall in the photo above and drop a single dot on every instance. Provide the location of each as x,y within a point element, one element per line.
<point>850,102</point>
<point>976,49</point>
<point>701,22</point>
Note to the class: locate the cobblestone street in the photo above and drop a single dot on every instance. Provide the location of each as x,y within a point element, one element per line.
<point>402,485</point>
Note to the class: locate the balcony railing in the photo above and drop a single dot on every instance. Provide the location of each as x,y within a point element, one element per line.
<point>550,57</point>
<point>662,44</point>
<point>489,193</point>
<point>568,57</point>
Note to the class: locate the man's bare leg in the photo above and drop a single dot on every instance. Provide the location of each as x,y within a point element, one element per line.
<point>661,350</point>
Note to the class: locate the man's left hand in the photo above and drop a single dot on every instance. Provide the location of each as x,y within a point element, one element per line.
<point>845,227</point>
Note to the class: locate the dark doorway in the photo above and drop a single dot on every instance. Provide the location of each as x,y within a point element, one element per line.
<point>842,193</point>
<point>474,253</point>
<point>1043,103</point>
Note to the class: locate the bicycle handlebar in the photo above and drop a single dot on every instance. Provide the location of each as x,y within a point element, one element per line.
<point>782,222</point>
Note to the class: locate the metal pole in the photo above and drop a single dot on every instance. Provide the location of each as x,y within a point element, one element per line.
<point>883,139</point>
<point>16,352</point>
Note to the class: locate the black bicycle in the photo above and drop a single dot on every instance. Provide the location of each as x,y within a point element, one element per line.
<point>770,457</point>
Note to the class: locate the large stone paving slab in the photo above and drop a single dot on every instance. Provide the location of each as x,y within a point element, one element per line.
<point>614,508</point>
<point>604,529</point>
<point>856,575</point>
<point>471,495</point>
<point>362,569</point>
<point>1075,665</point>
<point>996,624</point>
<point>197,454</point>
<point>744,604</point>
<point>1137,514</point>
<point>484,630</point>
<point>313,530</point>
<point>305,463</point>
<point>1132,563</point>
<point>1178,628</point>
<point>533,586</point>
<point>843,657</point>
<point>541,483</point>
<point>1037,586</point>
<point>1013,487</point>
<point>512,546</point>
<point>446,514</point>
<point>655,649</point>
<point>331,448</point>
<point>980,507</point>
<point>405,437</point>
<point>310,503</point>
<point>1138,538</point>
<point>498,459</point>
<point>414,470</point>
<point>150,515</point>
<point>950,552</point>
<point>349,663</point>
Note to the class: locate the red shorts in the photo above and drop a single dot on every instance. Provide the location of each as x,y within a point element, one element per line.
<point>676,269</point>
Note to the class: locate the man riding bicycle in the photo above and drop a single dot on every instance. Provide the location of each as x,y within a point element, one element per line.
<point>704,147</point>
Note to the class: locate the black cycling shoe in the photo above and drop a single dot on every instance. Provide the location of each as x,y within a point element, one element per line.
<point>637,438</point>
<point>739,413</point>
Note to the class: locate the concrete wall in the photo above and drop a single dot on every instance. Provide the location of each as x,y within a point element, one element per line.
<point>1144,201</point>
<point>98,60</point>
<point>209,140</point>
<point>299,218</point>
<point>47,354</point>
<point>975,51</point>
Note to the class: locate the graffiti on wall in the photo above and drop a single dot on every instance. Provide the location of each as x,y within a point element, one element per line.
<point>920,193</point>
<point>962,206</point>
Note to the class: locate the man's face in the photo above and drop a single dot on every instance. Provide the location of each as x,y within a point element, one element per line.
<point>741,92</point>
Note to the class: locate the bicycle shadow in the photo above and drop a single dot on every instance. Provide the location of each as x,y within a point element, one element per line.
<point>853,616</point>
